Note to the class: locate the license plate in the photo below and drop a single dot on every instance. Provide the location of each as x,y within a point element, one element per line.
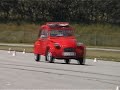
<point>69,53</point>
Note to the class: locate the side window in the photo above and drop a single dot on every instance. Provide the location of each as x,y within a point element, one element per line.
<point>39,33</point>
<point>44,34</point>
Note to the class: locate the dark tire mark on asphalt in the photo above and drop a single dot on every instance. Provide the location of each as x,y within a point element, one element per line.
<point>108,81</point>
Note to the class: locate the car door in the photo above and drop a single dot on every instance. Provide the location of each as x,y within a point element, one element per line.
<point>43,40</point>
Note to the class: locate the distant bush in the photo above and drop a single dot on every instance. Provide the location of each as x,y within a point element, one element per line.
<point>85,11</point>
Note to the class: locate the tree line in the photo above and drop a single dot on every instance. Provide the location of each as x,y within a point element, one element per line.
<point>85,11</point>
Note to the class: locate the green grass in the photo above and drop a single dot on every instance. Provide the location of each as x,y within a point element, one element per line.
<point>97,28</point>
<point>104,55</point>
<point>101,55</point>
<point>12,33</point>
<point>20,49</point>
<point>98,34</point>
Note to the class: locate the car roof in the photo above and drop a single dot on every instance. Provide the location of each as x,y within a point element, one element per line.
<point>56,25</point>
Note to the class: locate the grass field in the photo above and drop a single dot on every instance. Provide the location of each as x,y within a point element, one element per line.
<point>104,55</point>
<point>12,33</point>
<point>99,34</point>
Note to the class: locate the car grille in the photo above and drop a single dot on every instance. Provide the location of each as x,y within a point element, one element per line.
<point>69,49</point>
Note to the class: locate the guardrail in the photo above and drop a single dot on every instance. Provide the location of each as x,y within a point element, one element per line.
<point>17,45</point>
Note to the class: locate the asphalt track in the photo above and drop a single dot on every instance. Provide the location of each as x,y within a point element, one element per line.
<point>22,72</point>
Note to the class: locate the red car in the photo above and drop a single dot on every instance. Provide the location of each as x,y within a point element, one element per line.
<point>57,41</point>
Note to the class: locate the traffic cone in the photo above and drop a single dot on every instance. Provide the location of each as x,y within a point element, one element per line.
<point>9,51</point>
<point>95,59</point>
<point>14,53</point>
<point>24,51</point>
<point>117,88</point>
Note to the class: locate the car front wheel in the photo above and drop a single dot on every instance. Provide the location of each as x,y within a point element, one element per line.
<point>37,57</point>
<point>49,57</point>
<point>67,61</point>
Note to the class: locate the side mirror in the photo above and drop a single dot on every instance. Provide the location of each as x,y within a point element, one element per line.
<point>42,36</point>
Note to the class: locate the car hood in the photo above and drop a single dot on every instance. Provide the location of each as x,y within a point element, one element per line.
<point>65,42</point>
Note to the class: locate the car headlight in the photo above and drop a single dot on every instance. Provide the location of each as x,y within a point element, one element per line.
<point>57,45</point>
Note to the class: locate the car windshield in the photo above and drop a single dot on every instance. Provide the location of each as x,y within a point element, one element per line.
<point>58,33</point>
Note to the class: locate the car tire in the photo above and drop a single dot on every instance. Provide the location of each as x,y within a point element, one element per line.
<point>81,61</point>
<point>49,57</point>
<point>37,57</point>
<point>67,61</point>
